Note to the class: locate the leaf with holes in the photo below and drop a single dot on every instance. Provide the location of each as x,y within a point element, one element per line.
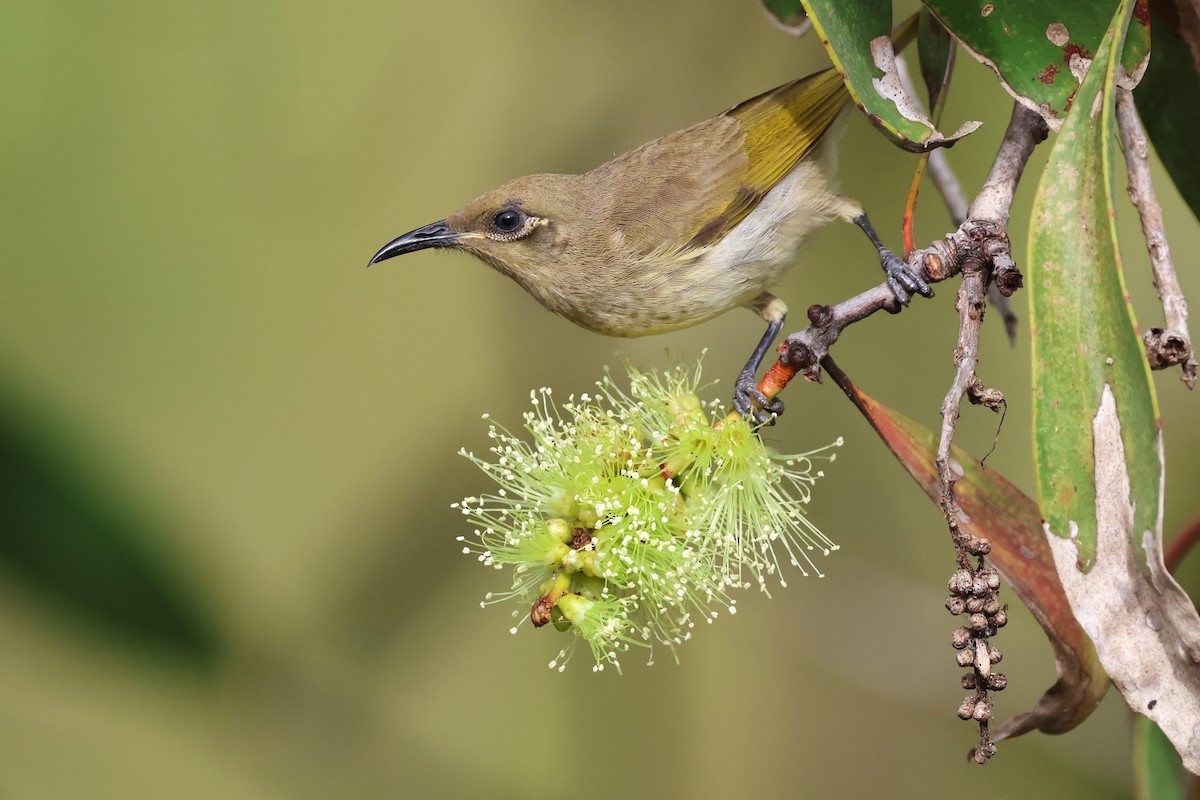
<point>1040,50</point>
<point>858,39</point>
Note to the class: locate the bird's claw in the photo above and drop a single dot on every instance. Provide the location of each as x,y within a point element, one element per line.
<point>752,404</point>
<point>902,279</point>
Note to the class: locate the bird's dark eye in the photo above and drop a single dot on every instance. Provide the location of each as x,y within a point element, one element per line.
<point>508,221</point>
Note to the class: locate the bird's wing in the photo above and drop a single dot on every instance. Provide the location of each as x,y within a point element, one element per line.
<point>660,195</point>
<point>690,188</point>
<point>781,127</point>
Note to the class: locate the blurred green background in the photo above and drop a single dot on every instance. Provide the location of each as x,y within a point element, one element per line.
<point>229,566</point>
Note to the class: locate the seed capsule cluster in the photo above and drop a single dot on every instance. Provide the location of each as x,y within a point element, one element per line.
<point>974,595</point>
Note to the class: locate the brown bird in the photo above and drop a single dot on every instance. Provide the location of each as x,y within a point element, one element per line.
<point>679,230</point>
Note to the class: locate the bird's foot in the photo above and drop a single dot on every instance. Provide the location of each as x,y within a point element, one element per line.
<point>902,279</point>
<point>756,407</point>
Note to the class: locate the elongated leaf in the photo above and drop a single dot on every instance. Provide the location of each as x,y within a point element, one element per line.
<point>993,508</point>
<point>788,16</point>
<point>935,48</point>
<point>1097,440</point>
<point>1039,49</point>
<point>1083,337</point>
<point>1156,771</point>
<point>72,545</point>
<point>1168,98</point>
<point>858,39</point>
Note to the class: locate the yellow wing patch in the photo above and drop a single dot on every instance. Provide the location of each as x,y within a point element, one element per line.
<point>780,127</point>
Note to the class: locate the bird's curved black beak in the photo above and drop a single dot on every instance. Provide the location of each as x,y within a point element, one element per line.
<point>435,234</point>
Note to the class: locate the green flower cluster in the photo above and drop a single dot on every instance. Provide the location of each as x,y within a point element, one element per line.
<point>628,516</point>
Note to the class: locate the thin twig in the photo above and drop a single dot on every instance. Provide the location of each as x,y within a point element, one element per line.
<point>1026,130</point>
<point>947,184</point>
<point>990,263</point>
<point>980,250</point>
<point>1170,344</point>
<point>983,234</point>
<point>941,260</point>
<point>948,187</point>
<point>1182,544</point>
<point>970,306</point>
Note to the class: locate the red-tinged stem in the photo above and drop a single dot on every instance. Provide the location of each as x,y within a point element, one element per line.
<point>772,383</point>
<point>910,206</point>
<point>1182,544</point>
<point>776,379</point>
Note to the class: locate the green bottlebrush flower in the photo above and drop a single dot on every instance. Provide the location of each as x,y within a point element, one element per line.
<point>629,516</point>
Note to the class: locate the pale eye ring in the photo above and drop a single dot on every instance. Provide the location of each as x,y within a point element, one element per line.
<point>508,221</point>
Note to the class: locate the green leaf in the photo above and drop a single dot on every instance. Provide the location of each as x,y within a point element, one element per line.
<point>1039,49</point>
<point>788,15</point>
<point>73,544</point>
<point>1097,438</point>
<point>1168,99</point>
<point>1157,773</point>
<point>995,509</point>
<point>935,48</point>
<point>1084,340</point>
<point>858,39</point>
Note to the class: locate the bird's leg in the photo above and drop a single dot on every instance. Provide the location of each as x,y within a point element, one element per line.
<point>747,399</point>
<point>902,279</point>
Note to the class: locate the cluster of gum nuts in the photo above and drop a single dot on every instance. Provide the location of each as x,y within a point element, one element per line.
<point>976,594</point>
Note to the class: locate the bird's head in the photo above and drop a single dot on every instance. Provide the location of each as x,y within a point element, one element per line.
<point>519,228</point>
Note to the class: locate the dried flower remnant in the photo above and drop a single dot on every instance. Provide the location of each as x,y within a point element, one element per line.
<point>629,515</point>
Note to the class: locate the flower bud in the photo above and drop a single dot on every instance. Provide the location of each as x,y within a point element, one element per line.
<point>560,529</point>
<point>588,516</point>
<point>564,503</point>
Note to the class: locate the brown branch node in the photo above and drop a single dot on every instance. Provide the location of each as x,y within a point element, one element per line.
<point>980,395</point>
